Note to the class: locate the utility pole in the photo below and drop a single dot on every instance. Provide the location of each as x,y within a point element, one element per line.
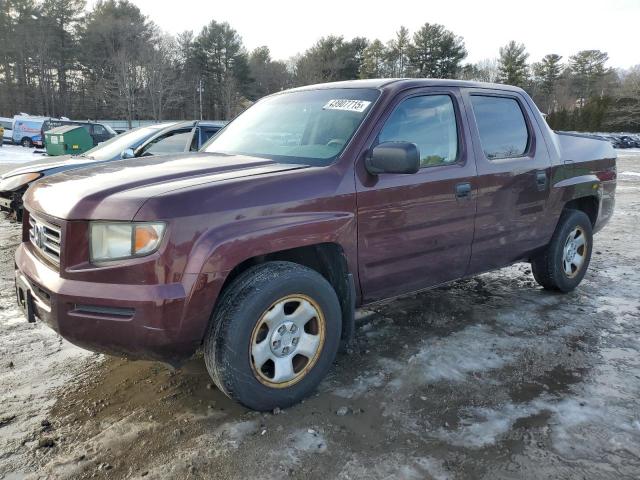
<point>200,92</point>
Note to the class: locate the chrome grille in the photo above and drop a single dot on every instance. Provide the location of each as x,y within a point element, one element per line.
<point>46,238</point>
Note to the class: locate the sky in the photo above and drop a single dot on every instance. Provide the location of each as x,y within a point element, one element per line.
<point>288,27</point>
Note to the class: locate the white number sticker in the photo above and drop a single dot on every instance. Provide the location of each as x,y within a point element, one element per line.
<point>54,140</point>
<point>348,105</point>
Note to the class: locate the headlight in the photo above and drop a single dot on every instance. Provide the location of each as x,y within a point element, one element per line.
<point>119,240</point>
<point>14,182</point>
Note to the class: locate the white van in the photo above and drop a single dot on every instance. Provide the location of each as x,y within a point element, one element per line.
<point>27,130</point>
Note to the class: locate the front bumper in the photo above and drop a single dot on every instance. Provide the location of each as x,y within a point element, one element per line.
<point>136,321</point>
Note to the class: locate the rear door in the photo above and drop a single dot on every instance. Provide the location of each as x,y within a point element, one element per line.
<point>514,170</point>
<point>415,230</point>
<point>202,134</point>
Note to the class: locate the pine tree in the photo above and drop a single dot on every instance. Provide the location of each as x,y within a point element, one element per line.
<point>588,68</point>
<point>373,62</point>
<point>436,52</point>
<point>512,64</point>
<point>547,73</point>
<point>398,49</point>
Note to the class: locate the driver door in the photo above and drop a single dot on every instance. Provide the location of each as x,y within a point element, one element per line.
<point>176,141</point>
<point>416,230</point>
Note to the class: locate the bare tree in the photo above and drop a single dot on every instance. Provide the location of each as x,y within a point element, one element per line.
<point>160,75</point>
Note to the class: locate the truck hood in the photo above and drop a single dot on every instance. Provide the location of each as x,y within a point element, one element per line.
<point>116,190</point>
<point>49,163</point>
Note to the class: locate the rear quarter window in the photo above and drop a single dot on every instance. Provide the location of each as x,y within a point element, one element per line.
<point>501,126</point>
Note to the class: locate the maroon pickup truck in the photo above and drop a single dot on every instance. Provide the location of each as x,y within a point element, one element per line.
<point>313,202</point>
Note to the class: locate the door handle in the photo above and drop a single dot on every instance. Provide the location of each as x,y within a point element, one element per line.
<point>463,191</point>
<point>541,180</point>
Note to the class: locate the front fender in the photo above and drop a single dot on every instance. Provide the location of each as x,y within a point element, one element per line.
<point>221,249</point>
<point>218,250</point>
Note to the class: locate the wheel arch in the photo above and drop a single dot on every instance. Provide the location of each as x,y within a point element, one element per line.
<point>329,260</point>
<point>589,204</point>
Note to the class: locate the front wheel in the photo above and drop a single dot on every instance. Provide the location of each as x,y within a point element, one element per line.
<point>273,335</point>
<point>564,262</point>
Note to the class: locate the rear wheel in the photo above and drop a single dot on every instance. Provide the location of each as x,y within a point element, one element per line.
<point>26,142</point>
<point>564,262</point>
<point>274,335</point>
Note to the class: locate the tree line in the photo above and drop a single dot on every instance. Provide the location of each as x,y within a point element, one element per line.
<point>59,59</point>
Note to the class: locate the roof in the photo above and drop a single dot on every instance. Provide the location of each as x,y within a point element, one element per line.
<point>401,83</point>
<point>193,123</point>
<point>63,129</point>
<point>213,123</point>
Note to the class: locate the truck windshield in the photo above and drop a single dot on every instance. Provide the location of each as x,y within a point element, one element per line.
<point>309,126</point>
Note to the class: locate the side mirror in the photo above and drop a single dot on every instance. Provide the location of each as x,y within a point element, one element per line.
<point>393,157</point>
<point>128,153</point>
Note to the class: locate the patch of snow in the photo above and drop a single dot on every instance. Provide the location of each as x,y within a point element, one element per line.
<point>393,466</point>
<point>231,434</point>
<point>16,154</point>
<point>475,349</point>
<point>361,385</point>
<point>302,441</point>
<point>484,426</point>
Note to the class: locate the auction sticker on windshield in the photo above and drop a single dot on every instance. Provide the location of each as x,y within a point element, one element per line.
<point>346,104</point>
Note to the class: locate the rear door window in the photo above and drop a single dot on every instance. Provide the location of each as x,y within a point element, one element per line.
<point>501,126</point>
<point>207,133</point>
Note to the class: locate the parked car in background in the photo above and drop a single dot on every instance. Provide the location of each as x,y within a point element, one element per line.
<point>1,133</point>
<point>7,125</point>
<point>99,132</point>
<point>182,137</point>
<point>312,202</point>
<point>611,139</point>
<point>27,130</point>
<point>628,141</point>
<point>160,139</point>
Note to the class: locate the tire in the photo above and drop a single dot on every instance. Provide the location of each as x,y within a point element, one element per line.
<point>259,310</point>
<point>26,142</point>
<point>556,267</point>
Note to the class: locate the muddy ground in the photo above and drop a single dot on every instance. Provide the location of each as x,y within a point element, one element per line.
<point>490,378</point>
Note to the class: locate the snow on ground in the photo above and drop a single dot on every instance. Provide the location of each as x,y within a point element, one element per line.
<point>487,378</point>
<point>17,154</point>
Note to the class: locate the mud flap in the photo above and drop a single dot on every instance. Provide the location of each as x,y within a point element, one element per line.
<point>348,315</point>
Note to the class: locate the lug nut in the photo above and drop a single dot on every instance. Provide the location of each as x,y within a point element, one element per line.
<point>293,329</point>
<point>285,350</point>
<point>282,329</point>
<point>276,343</point>
<point>294,341</point>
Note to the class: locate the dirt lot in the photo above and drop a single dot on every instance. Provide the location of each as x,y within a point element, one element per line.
<point>488,378</point>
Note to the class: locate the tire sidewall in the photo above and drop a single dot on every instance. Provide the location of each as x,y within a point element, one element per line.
<point>231,353</point>
<point>573,219</point>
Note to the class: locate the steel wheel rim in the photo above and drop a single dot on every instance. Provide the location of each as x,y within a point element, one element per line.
<point>574,253</point>
<point>287,340</point>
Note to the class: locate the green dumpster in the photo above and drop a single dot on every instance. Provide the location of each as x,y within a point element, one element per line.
<point>68,140</point>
